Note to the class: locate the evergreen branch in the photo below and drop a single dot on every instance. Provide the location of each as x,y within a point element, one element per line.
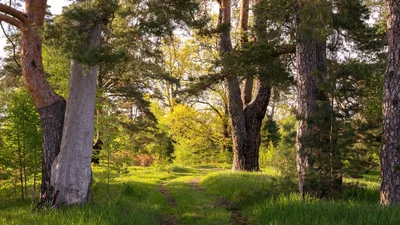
<point>286,49</point>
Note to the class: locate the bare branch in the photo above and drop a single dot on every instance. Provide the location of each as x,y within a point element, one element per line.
<point>12,43</point>
<point>10,20</point>
<point>22,17</point>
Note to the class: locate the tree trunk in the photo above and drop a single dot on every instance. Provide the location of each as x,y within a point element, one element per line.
<point>326,122</point>
<point>52,121</point>
<point>246,148</point>
<point>390,145</point>
<point>306,108</point>
<point>246,112</point>
<point>71,170</point>
<point>51,107</point>
<point>247,86</point>
<point>316,169</point>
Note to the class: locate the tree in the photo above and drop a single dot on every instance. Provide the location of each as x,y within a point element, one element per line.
<point>71,170</point>
<point>312,143</point>
<point>50,105</point>
<point>20,129</point>
<point>246,117</point>
<point>390,154</point>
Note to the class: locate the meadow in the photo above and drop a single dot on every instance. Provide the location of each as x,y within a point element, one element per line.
<point>209,195</point>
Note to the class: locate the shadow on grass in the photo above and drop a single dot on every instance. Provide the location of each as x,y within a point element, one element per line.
<point>120,203</point>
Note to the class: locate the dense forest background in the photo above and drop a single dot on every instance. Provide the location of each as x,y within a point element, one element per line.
<point>296,86</point>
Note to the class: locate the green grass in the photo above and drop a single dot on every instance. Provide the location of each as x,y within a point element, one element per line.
<point>133,198</point>
<point>194,205</point>
<point>207,195</point>
<point>293,209</point>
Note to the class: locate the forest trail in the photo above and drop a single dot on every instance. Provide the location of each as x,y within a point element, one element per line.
<point>190,204</point>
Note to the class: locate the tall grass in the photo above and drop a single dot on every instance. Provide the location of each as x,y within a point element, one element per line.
<point>292,209</point>
<point>263,198</point>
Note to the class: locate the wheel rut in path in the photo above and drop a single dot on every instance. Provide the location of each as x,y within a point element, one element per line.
<point>169,197</point>
<point>237,217</point>
<point>168,219</point>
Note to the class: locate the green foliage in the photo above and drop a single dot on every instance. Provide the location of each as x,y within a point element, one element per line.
<point>164,17</point>
<point>69,31</point>
<point>198,137</point>
<point>314,18</point>
<point>359,95</point>
<point>56,64</point>
<point>20,154</point>
<point>270,132</point>
<point>351,17</point>
<point>257,59</point>
<point>282,154</point>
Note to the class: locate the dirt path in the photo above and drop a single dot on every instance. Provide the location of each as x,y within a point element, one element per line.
<point>168,219</point>
<point>201,206</point>
<point>165,192</point>
<point>195,184</point>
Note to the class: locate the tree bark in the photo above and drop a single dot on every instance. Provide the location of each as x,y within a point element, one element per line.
<point>390,145</point>
<point>51,106</point>
<point>306,108</point>
<point>245,113</point>
<point>247,86</point>
<point>71,170</point>
<point>317,165</point>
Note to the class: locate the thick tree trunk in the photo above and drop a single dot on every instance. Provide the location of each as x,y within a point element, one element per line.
<point>71,170</point>
<point>316,165</point>
<point>306,98</point>
<point>246,112</point>
<point>246,148</point>
<point>390,145</point>
<point>51,107</point>
<point>52,121</point>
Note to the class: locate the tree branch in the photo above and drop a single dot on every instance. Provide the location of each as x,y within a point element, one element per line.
<point>10,20</point>
<point>286,49</point>
<point>22,17</point>
<point>260,103</point>
<point>211,106</point>
<point>12,43</point>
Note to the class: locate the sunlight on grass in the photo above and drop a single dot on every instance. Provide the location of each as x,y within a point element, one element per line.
<point>206,195</point>
<point>293,209</point>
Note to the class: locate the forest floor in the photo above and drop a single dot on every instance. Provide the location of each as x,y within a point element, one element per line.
<point>174,195</point>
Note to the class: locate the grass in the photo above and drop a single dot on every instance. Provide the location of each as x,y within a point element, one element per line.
<point>194,205</point>
<point>133,198</point>
<point>293,209</point>
<point>207,195</point>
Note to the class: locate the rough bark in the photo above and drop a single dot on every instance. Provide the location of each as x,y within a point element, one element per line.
<point>306,98</point>
<point>71,170</point>
<point>245,119</point>
<point>50,105</point>
<point>317,163</point>
<point>52,121</point>
<point>390,150</point>
<point>247,86</point>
